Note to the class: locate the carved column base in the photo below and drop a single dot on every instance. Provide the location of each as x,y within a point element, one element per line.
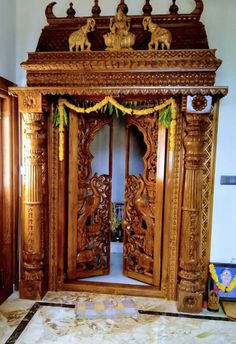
<point>32,290</point>
<point>190,302</point>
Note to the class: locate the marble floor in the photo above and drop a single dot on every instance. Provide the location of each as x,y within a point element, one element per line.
<point>52,320</point>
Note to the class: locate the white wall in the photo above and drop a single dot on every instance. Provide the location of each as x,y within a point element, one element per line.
<point>219,19</point>
<point>8,39</point>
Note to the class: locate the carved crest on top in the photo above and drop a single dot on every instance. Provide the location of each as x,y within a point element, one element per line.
<point>186,30</point>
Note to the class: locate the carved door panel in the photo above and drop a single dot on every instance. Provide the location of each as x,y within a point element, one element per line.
<point>89,200</point>
<point>143,204</point>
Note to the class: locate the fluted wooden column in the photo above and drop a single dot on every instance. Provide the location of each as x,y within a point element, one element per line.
<point>190,296</point>
<point>33,214</point>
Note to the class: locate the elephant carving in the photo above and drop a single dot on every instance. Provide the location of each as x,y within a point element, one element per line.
<point>79,38</point>
<point>159,36</point>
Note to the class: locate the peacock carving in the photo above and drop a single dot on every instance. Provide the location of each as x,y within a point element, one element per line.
<point>145,216</point>
<point>87,211</point>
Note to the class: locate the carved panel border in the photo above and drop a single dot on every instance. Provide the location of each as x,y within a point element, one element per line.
<point>207,186</point>
<point>111,55</point>
<point>53,204</point>
<point>173,248</point>
<point>106,79</point>
<point>124,91</point>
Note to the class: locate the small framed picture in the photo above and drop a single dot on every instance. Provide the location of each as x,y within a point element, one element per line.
<point>223,280</point>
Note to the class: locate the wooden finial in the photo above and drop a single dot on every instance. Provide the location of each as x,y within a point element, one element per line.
<point>147,8</point>
<point>199,7</point>
<point>96,10</point>
<point>173,8</point>
<point>71,11</point>
<point>122,5</point>
<point>49,10</point>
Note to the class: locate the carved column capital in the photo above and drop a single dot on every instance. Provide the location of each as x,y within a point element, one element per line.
<point>196,126</point>
<point>190,296</point>
<point>29,101</point>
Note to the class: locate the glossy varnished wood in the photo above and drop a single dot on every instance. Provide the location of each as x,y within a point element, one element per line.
<point>114,288</point>
<point>73,194</point>
<point>179,196</point>
<point>9,190</point>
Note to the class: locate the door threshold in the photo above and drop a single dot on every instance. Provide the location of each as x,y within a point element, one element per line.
<point>113,288</point>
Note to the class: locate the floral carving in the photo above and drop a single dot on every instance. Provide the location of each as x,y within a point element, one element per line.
<point>29,102</point>
<point>199,103</point>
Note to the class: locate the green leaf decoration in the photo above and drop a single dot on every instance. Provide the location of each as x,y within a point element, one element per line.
<point>104,110</point>
<point>110,109</point>
<point>165,117</point>
<point>162,116</point>
<point>122,113</point>
<point>65,117</point>
<point>56,118</point>
<point>117,112</point>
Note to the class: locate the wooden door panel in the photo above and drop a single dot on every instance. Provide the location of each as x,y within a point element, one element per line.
<point>9,172</point>
<point>144,204</point>
<point>89,201</point>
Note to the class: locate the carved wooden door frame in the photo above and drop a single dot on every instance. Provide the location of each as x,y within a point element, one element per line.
<point>195,144</point>
<point>58,189</point>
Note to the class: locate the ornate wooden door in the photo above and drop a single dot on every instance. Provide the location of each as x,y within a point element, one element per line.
<point>144,204</point>
<point>89,200</point>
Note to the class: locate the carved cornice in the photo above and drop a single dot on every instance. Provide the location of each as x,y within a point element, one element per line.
<point>118,92</point>
<point>121,79</point>
<point>99,61</point>
<point>122,68</point>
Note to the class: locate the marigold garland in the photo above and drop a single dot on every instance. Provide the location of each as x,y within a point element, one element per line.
<point>220,285</point>
<point>61,132</point>
<point>108,99</point>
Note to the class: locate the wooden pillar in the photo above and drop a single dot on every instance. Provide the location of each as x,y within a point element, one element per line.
<point>190,295</point>
<point>34,188</point>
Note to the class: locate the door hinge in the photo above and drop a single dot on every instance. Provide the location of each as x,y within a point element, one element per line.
<point>1,278</point>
